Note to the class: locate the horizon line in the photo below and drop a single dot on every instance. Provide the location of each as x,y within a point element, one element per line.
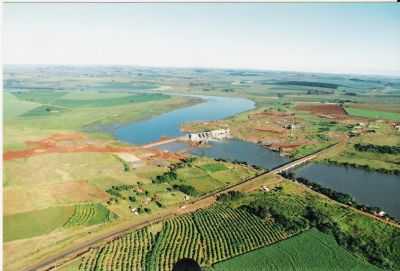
<point>397,75</point>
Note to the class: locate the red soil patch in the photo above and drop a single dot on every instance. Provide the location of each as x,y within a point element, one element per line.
<point>270,113</point>
<point>324,110</point>
<point>276,131</point>
<point>73,143</point>
<point>63,143</point>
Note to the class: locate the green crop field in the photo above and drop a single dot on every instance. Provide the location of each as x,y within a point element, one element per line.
<point>89,214</point>
<point>34,223</point>
<point>373,114</point>
<point>44,110</point>
<point>213,167</point>
<point>178,239</point>
<point>293,199</point>
<point>39,222</point>
<point>208,235</point>
<point>110,101</point>
<point>311,250</point>
<point>126,253</point>
<point>14,107</point>
<point>40,96</point>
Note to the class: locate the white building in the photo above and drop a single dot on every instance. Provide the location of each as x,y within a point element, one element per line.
<point>214,134</point>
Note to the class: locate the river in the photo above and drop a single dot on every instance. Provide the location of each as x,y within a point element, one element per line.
<point>168,124</point>
<point>370,188</point>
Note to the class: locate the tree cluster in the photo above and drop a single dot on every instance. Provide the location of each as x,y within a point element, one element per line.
<point>229,196</point>
<point>377,148</point>
<point>187,189</point>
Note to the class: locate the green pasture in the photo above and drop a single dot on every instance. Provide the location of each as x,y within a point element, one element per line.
<point>138,98</point>
<point>35,223</point>
<point>14,107</point>
<point>311,250</point>
<point>373,114</point>
<point>213,167</point>
<point>40,96</point>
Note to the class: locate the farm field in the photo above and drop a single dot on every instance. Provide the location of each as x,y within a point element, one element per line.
<point>311,250</point>
<point>234,232</point>
<point>373,114</point>
<point>40,222</point>
<point>67,175</point>
<point>291,202</point>
<point>47,220</point>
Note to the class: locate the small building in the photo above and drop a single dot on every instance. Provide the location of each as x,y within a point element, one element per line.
<point>186,197</point>
<point>264,188</point>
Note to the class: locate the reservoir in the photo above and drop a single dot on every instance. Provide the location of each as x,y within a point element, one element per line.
<point>168,124</point>
<point>366,187</point>
<point>233,149</point>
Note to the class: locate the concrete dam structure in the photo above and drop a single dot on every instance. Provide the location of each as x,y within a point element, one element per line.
<point>209,135</point>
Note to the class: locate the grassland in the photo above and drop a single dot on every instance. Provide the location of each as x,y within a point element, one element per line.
<point>373,114</point>
<point>38,222</point>
<point>311,250</point>
<point>34,223</point>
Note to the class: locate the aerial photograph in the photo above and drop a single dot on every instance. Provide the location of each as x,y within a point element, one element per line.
<point>201,136</point>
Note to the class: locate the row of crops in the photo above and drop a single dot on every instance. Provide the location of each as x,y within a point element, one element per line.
<point>89,214</point>
<point>208,236</point>
<point>126,253</point>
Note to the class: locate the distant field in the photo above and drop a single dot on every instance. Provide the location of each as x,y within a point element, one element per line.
<point>14,107</point>
<point>90,95</point>
<point>73,103</point>
<point>40,96</point>
<point>311,250</point>
<point>91,99</point>
<point>44,110</point>
<point>373,114</point>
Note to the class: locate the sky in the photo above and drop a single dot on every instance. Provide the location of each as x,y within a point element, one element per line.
<point>333,38</point>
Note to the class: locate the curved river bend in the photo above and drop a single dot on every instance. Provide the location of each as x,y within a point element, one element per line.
<point>370,188</point>
<point>168,124</point>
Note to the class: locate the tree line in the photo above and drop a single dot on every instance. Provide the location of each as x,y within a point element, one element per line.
<point>377,148</point>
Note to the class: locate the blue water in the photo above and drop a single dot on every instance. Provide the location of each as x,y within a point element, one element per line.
<point>168,124</point>
<point>370,188</point>
<point>366,187</point>
<point>239,150</point>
